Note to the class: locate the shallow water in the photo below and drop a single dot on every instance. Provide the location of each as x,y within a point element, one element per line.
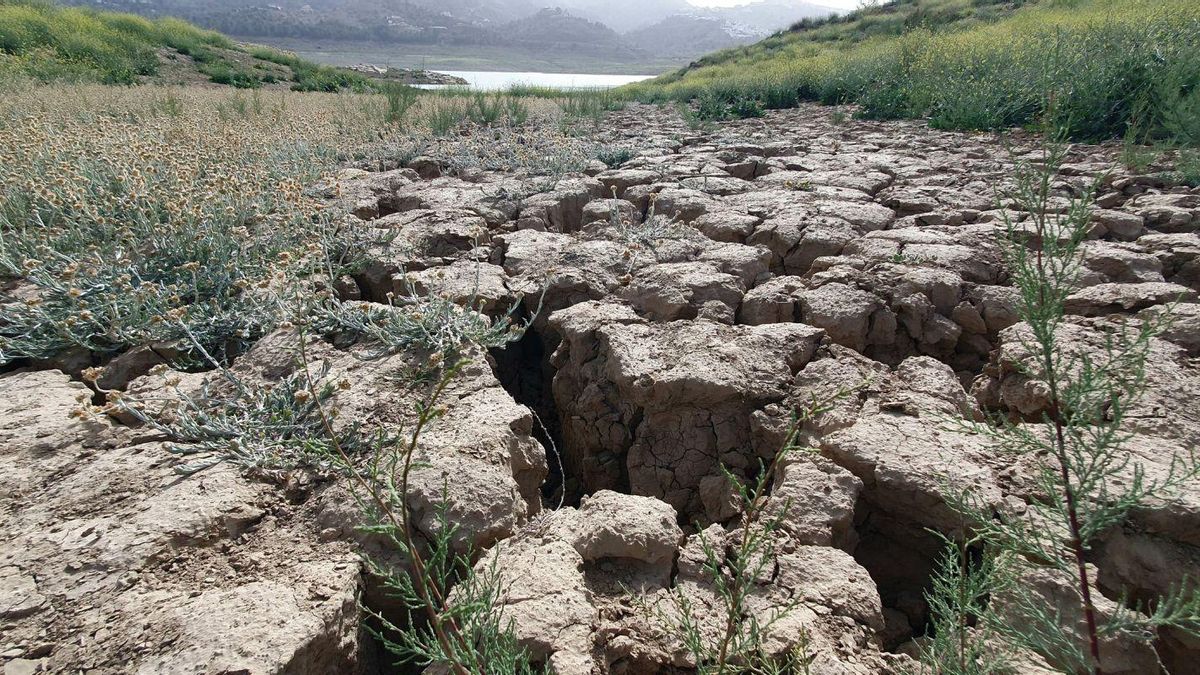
<point>493,80</point>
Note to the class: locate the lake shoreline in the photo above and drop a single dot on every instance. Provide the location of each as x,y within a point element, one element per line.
<point>463,58</point>
<point>503,80</point>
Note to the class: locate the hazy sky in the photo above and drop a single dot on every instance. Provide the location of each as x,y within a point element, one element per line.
<point>836,4</point>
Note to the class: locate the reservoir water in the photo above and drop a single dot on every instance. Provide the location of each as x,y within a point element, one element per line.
<point>498,80</point>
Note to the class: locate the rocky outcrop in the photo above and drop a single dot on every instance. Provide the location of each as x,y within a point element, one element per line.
<point>217,572</point>
<point>479,457</point>
<point>114,564</point>
<point>657,408</point>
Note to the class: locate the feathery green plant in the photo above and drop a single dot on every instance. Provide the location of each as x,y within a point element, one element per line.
<point>451,617</point>
<point>691,118</point>
<point>475,638</point>
<point>515,110</point>
<point>733,570</point>
<point>963,629</point>
<point>484,109</point>
<point>1187,167</point>
<point>450,609</point>
<point>444,115</point>
<point>1087,482</point>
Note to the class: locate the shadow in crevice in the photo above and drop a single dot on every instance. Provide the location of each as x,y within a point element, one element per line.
<point>524,370</point>
<point>900,556</point>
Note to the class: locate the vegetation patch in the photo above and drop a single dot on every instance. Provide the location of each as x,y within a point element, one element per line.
<point>1095,68</point>
<point>158,222</point>
<point>179,218</point>
<point>46,42</point>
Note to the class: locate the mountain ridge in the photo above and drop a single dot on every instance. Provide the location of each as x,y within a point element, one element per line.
<point>636,30</point>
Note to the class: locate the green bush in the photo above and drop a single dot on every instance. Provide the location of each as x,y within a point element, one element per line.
<point>222,72</point>
<point>516,111</point>
<point>1187,168</point>
<point>484,109</point>
<point>400,98</point>
<point>444,116</point>
<point>745,107</point>
<point>312,77</point>
<point>614,156</point>
<point>710,107</point>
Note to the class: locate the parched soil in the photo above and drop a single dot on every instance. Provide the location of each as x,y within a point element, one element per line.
<point>683,307</point>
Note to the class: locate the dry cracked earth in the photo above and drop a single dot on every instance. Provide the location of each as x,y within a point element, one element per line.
<point>802,256</point>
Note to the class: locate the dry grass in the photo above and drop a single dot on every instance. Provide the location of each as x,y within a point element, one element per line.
<point>180,217</point>
<point>135,216</point>
<point>171,156</point>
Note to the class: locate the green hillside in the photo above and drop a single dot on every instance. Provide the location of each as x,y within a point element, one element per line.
<point>46,42</point>
<point>1094,68</point>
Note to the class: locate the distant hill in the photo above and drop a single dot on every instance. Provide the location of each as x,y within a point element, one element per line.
<point>769,16</point>
<point>683,35</point>
<point>679,30</point>
<point>49,42</point>
<point>367,20</point>
<point>557,30</point>
<point>625,15</point>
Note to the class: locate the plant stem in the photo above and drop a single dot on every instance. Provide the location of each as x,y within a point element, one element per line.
<point>427,597</point>
<point>1085,590</point>
<point>962,604</point>
<point>1048,339</point>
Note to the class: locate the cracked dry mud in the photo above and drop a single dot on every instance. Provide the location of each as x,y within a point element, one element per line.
<point>805,256</point>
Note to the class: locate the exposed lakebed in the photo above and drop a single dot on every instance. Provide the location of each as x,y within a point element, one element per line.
<point>792,255</point>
